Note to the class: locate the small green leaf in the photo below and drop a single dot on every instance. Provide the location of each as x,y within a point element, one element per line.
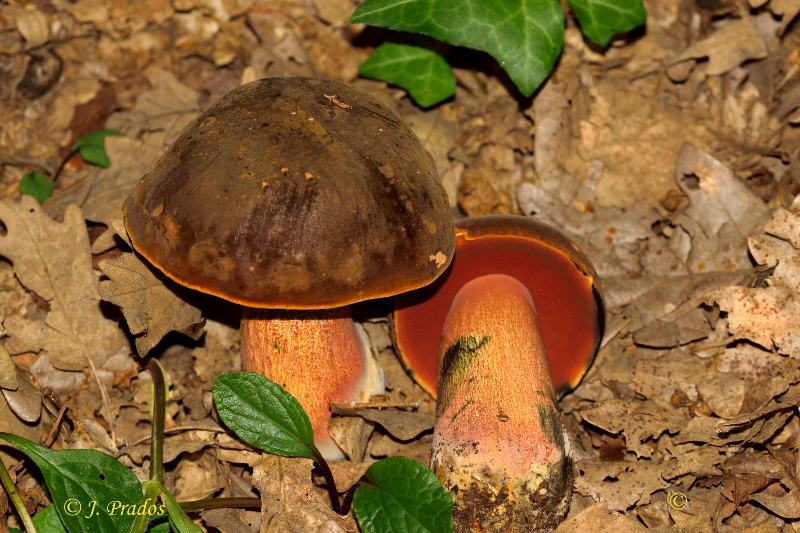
<point>423,73</point>
<point>88,488</point>
<point>37,185</point>
<point>160,525</point>
<point>93,149</point>
<point>261,413</point>
<point>524,36</point>
<point>46,521</point>
<point>602,19</point>
<point>406,498</point>
<point>177,517</point>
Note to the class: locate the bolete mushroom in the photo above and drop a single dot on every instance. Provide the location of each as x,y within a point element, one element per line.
<point>296,197</point>
<point>560,278</point>
<point>517,295</point>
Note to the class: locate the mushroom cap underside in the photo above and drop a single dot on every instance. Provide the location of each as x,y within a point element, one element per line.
<point>294,193</point>
<point>561,280</point>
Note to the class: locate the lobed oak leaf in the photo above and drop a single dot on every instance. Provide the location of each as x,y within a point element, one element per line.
<point>152,305</point>
<point>770,315</point>
<point>54,261</point>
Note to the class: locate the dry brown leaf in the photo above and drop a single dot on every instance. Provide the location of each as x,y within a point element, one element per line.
<point>787,506</point>
<point>32,24</point>
<point>638,421</point>
<point>737,488</point>
<point>162,112</point>
<point>8,372</point>
<point>402,424</point>
<point>151,303</point>
<point>724,209</point>
<point>726,48</point>
<point>225,520</point>
<point>681,330</point>
<point>54,261</point>
<point>598,519</point>
<point>88,434</point>
<point>691,459</point>
<point>723,392</point>
<point>619,484</point>
<point>26,400</point>
<point>770,316</point>
<point>289,503</point>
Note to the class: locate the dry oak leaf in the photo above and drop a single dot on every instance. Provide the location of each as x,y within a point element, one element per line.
<point>770,316</point>
<point>620,484</point>
<point>726,49</point>
<point>151,303</point>
<point>637,421</point>
<point>289,503</point>
<point>598,519</point>
<point>54,261</point>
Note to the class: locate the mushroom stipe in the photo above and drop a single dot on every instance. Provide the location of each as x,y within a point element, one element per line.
<point>499,444</point>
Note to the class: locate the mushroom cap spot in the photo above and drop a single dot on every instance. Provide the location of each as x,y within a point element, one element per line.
<point>561,280</point>
<point>345,215</point>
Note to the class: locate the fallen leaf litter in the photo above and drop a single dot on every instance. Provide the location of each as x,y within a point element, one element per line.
<point>639,155</point>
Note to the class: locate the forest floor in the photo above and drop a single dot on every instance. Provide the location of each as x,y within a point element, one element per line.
<point>672,158</point>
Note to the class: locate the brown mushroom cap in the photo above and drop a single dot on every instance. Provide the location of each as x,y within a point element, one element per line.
<point>561,280</point>
<point>277,197</point>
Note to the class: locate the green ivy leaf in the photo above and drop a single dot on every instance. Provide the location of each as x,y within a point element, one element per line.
<point>261,413</point>
<point>93,148</point>
<point>37,185</point>
<point>602,19</point>
<point>178,518</point>
<point>422,72</point>
<point>524,36</point>
<point>77,478</point>
<point>406,498</point>
<point>46,521</point>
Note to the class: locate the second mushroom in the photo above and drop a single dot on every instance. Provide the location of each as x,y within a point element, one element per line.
<point>517,296</point>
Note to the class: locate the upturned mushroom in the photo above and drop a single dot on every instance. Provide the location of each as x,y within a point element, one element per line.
<point>296,197</point>
<point>517,295</point>
<point>560,278</point>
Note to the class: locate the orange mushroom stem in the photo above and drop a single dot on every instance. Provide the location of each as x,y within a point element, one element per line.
<point>320,357</point>
<point>499,444</point>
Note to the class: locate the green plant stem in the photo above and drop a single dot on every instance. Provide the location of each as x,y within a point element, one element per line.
<point>348,497</point>
<point>218,503</point>
<point>326,471</point>
<point>151,493</point>
<point>64,162</point>
<point>15,498</point>
<point>156,444</point>
<point>159,417</point>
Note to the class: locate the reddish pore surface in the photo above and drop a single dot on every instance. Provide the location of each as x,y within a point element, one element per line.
<point>566,301</point>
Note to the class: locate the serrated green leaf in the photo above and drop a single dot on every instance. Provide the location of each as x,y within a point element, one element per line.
<point>261,413</point>
<point>524,36</point>
<point>46,521</point>
<point>93,148</point>
<point>406,498</point>
<point>178,519</point>
<point>88,488</point>
<point>602,19</point>
<point>422,72</point>
<point>37,185</point>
